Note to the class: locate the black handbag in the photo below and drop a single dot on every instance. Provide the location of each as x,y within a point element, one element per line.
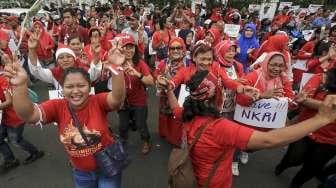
<point>112,159</point>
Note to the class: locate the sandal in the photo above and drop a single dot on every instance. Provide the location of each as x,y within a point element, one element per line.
<point>146,148</point>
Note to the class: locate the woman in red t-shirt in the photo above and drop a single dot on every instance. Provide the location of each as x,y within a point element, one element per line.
<point>169,127</point>
<point>317,149</point>
<point>91,111</point>
<point>137,77</point>
<point>324,58</point>
<point>225,136</point>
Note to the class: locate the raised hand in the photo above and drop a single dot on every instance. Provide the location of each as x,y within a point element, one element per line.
<point>116,55</point>
<point>33,40</point>
<point>16,74</point>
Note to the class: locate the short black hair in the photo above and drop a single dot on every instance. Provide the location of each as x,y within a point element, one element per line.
<point>69,10</point>
<point>74,70</point>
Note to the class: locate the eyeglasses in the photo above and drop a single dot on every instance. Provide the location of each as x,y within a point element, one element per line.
<point>250,30</point>
<point>175,48</point>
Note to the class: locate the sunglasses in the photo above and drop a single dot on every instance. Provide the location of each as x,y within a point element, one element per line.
<point>175,48</point>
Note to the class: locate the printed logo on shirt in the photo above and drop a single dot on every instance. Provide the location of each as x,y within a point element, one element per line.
<point>75,144</point>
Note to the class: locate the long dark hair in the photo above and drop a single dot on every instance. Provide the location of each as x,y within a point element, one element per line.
<point>192,107</point>
<point>330,84</point>
<point>136,57</point>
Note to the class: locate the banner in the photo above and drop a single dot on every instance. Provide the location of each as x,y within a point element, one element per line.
<point>58,94</point>
<point>284,4</point>
<point>232,30</point>
<point>265,113</point>
<point>267,10</point>
<point>313,8</point>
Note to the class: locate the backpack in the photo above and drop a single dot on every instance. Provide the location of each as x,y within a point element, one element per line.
<point>180,168</point>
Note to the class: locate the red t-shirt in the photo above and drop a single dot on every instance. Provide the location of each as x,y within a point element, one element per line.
<point>94,123</point>
<point>135,89</point>
<point>9,116</point>
<point>223,136</point>
<point>314,66</point>
<point>77,30</point>
<point>326,134</point>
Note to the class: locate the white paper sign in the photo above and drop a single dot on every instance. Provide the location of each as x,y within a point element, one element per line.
<point>308,34</point>
<point>295,8</point>
<point>229,100</point>
<point>232,30</point>
<point>313,8</point>
<point>253,7</point>
<point>300,64</point>
<point>58,94</point>
<point>284,4</point>
<point>265,113</point>
<point>305,78</point>
<point>267,10</point>
<point>183,95</point>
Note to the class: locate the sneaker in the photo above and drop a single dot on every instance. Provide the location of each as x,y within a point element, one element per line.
<point>33,157</point>
<point>235,168</point>
<point>146,148</point>
<point>9,165</point>
<point>244,157</point>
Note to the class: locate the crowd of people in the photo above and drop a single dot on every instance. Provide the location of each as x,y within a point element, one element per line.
<point>104,57</point>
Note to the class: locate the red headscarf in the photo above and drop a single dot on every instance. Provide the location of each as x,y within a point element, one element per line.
<point>216,34</point>
<point>221,49</point>
<point>46,43</point>
<point>177,40</point>
<point>264,81</point>
<point>276,43</point>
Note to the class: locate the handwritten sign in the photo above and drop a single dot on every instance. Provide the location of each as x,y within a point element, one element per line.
<point>253,7</point>
<point>267,10</point>
<point>58,94</point>
<point>183,95</point>
<point>300,64</point>
<point>284,4</point>
<point>229,100</point>
<point>265,113</point>
<point>232,30</point>
<point>305,78</point>
<point>313,8</point>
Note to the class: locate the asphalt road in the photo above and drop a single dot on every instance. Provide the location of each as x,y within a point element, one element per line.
<point>53,171</point>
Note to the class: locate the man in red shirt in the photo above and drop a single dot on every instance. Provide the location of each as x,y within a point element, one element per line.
<point>70,27</point>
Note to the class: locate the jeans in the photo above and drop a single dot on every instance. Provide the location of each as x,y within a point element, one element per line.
<point>95,180</point>
<point>139,114</point>
<point>15,137</point>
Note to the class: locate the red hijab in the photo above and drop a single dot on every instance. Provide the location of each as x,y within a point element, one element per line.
<point>264,81</point>
<point>216,35</point>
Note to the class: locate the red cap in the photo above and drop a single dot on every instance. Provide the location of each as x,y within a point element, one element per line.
<point>126,39</point>
<point>4,35</point>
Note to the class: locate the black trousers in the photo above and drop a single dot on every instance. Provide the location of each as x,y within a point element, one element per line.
<point>139,115</point>
<point>314,156</point>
